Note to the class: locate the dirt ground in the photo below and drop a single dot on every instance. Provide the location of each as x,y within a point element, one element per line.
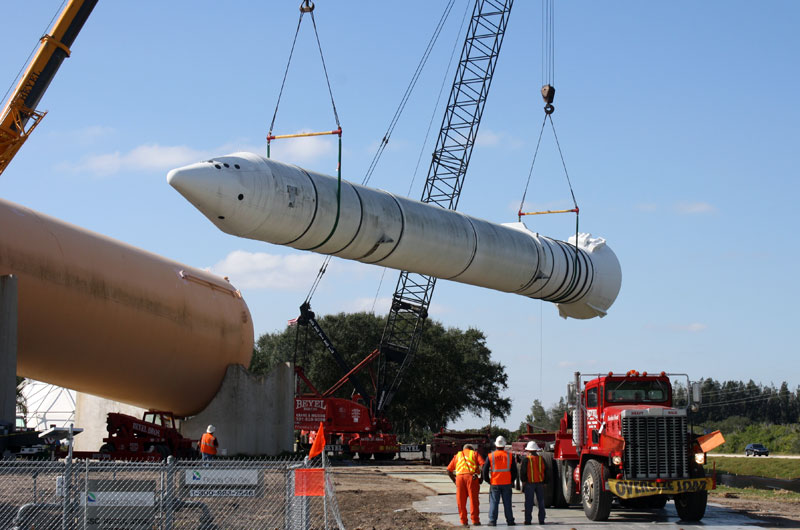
<point>371,500</point>
<point>771,513</point>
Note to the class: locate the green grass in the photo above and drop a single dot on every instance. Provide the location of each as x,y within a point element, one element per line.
<point>757,466</point>
<point>755,494</point>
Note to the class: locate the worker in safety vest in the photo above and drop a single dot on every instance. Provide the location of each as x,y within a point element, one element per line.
<point>532,474</point>
<point>500,471</point>
<point>208,444</point>
<point>464,471</point>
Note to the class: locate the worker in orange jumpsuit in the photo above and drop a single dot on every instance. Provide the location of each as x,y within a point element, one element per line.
<point>532,474</point>
<point>208,444</point>
<point>501,471</point>
<point>464,470</point>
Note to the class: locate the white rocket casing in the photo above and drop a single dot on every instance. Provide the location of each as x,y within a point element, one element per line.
<point>250,196</point>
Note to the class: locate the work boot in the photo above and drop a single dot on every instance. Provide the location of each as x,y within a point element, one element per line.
<point>492,524</point>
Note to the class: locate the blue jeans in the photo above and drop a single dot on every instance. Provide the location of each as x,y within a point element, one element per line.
<point>529,490</point>
<point>495,494</point>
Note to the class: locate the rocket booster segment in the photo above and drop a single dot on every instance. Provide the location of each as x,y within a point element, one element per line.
<point>250,196</point>
<point>100,316</point>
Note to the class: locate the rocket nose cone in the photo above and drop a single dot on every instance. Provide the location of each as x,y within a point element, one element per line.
<point>187,180</point>
<point>203,185</point>
<point>176,178</point>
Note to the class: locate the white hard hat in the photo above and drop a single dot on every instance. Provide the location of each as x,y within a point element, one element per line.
<point>211,429</point>
<point>500,442</point>
<point>532,446</point>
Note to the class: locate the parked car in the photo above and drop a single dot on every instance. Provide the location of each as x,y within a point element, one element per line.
<point>756,450</point>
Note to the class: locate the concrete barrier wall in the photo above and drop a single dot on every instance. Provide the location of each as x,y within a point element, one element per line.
<point>746,481</point>
<point>90,415</point>
<point>254,415</point>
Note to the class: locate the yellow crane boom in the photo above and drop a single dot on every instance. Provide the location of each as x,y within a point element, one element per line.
<point>19,116</point>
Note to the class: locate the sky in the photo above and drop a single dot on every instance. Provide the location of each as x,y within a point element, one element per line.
<point>678,122</point>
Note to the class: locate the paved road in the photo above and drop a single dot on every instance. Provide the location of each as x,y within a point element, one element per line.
<point>444,504</point>
<point>743,456</point>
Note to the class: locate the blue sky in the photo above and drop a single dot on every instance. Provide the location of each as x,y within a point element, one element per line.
<point>678,121</point>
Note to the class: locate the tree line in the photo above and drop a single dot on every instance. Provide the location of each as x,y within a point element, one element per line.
<point>452,373</point>
<point>756,402</point>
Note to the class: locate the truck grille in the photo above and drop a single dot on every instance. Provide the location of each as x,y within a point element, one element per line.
<point>655,446</point>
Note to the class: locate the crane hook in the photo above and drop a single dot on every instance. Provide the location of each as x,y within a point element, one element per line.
<point>307,6</point>
<point>548,94</point>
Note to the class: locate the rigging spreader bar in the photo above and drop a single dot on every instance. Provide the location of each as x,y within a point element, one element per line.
<point>303,135</point>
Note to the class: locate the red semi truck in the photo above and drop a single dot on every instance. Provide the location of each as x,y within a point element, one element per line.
<point>625,440</point>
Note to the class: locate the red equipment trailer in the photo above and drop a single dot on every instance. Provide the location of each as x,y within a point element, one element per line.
<point>447,443</point>
<point>152,438</point>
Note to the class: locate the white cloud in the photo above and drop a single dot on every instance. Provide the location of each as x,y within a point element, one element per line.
<point>302,151</point>
<point>91,134</point>
<point>694,327</point>
<point>148,157</point>
<point>289,272</point>
<point>646,207</point>
<point>691,208</point>
<point>489,138</point>
<point>370,305</point>
<point>156,157</point>
<point>259,270</point>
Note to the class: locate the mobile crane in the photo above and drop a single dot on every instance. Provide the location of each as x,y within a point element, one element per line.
<point>413,292</point>
<point>19,116</point>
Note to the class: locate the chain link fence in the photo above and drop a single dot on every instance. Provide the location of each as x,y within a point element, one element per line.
<point>288,493</point>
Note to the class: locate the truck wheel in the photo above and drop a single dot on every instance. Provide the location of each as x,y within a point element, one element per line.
<point>163,451</point>
<point>691,506</point>
<point>107,448</point>
<point>568,484</point>
<point>549,490</point>
<point>596,501</point>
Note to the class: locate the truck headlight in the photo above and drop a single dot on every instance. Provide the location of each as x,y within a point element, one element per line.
<point>617,460</point>
<point>700,458</point>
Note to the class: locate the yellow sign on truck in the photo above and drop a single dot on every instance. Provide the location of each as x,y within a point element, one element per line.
<point>631,489</point>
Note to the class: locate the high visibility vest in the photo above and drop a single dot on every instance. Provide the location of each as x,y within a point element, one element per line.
<point>207,444</point>
<point>466,462</point>
<point>501,468</point>
<point>535,468</point>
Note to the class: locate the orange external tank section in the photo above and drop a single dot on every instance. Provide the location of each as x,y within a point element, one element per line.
<point>102,317</point>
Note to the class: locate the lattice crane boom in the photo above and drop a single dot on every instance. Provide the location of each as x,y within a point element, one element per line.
<point>443,185</point>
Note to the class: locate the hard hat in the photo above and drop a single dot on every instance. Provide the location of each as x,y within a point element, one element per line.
<point>211,429</point>
<point>532,446</point>
<point>500,442</point>
<point>469,446</point>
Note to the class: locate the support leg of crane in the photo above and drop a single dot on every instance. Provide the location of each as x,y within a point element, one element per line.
<point>8,348</point>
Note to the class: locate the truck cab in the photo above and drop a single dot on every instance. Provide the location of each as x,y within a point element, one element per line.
<point>625,440</point>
